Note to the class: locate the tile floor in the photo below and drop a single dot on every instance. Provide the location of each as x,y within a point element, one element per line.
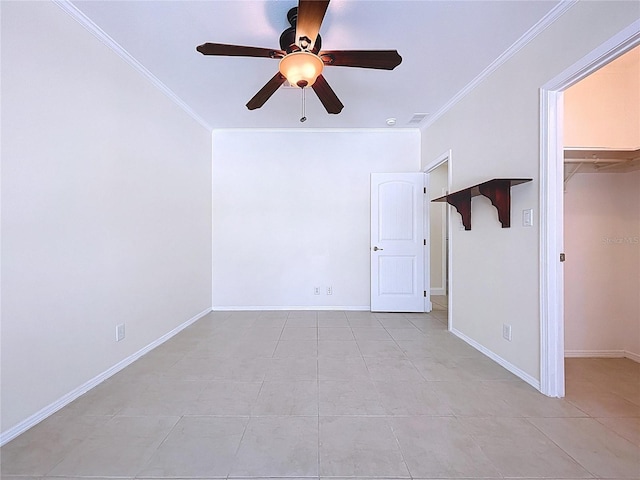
<point>335,395</point>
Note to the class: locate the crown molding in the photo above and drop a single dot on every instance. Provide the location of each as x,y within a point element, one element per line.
<point>101,35</point>
<point>555,13</point>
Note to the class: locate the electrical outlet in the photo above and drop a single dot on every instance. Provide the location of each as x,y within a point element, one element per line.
<point>506,331</point>
<point>316,290</point>
<point>329,291</point>
<point>119,332</point>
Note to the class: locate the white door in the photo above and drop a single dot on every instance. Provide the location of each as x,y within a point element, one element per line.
<point>397,242</point>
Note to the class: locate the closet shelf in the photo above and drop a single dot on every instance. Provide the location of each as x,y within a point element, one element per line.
<point>497,190</point>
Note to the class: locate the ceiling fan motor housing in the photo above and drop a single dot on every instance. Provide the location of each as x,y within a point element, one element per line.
<point>288,37</point>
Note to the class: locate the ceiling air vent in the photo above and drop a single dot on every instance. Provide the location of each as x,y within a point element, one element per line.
<point>417,118</point>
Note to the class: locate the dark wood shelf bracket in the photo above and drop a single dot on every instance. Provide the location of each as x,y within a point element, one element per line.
<point>498,191</point>
<point>462,202</point>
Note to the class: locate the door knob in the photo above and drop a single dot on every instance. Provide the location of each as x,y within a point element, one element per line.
<point>375,249</point>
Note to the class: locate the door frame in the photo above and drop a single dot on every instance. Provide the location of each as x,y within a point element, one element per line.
<point>439,160</point>
<point>551,276</point>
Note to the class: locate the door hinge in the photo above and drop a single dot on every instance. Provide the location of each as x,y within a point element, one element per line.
<point>562,257</point>
<point>425,190</point>
<point>425,241</point>
<point>425,293</point>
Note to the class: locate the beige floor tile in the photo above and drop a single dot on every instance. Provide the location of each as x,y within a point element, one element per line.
<point>441,344</point>
<point>333,321</point>
<point>405,333</point>
<point>380,348</point>
<point>231,372</point>
<point>302,319</point>
<point>153,364</point>
<point>518,449</point>
<point>526,401</point>
<point>363,321</point>
<point>73,478</point>
<point>296,349</point>
<point>370,333</point>
<point>330,368</point>
<point>278,447</point>
<point>108,398</point>
<point>287,398</point>
<point>198,447</point>
<point>41,448</point>
<point>303,314</point>
<point>335,333</point>
<point>411,398</point>
<point>120,448</point>
<point>357,397</point>
<point>392,369</point>
<point>163,399</point>
<point>225,398</point>
<point>599,450</point>
<point>239,370</point>
<point>598,401</point>
<point>429,324</point>
<point>302,322</point>
<point>22,477</point>
<point>397,322</point>
<point>628,428</point>
<point>359,446</point>
<point>436,369</point>
<point>299,333</point>
<point>338,349</point>
<point>259,336</point>
<point>474,399</point>
<point>324,315</point>
<point>194,368</point>
<point>440,447</point>
<point>292,369</point>
<point>483,369</point>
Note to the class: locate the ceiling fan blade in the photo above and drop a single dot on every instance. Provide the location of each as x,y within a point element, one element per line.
<point>381,59</point>
<point>238,51</point>
<point>327,96</point>
<point>265,92</point>
<point>310,16</point>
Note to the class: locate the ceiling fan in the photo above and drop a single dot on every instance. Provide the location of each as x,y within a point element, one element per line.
<point>301,57</point>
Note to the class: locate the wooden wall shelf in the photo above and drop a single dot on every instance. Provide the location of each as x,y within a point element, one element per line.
<point>497,190</point>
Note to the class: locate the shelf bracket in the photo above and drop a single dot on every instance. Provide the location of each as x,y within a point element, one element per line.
<point>498,191</point>
<point>462,202</point>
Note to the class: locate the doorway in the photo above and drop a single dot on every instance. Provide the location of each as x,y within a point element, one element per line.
<point>602,212</point>
<point>438,252</point>
<point>552,204</point>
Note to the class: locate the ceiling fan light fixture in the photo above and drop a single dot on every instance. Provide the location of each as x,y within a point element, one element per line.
<point>301,68</point>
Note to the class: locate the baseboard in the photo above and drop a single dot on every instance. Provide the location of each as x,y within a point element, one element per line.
<point>534,382</point>
<point>438,291</point>
<point>632,356</point>
<point>253,308</point>
<point>602,354</point>
<point>63,401</point>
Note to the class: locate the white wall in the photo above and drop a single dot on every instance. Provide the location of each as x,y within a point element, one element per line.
<point>291,212</point>
<point>106,210</point>
<point>494,132</point>
<point>602,272</point>
<point>438,179</point>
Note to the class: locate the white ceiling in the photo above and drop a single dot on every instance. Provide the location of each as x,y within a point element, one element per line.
<point>444,46</point>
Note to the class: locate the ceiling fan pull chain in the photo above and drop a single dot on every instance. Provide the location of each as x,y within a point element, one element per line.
<point>303,118</point>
